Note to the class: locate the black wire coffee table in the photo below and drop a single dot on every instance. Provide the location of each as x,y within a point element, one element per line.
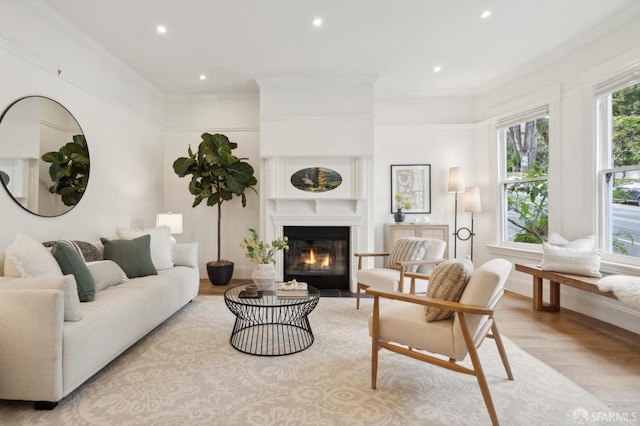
<point>271,325</point>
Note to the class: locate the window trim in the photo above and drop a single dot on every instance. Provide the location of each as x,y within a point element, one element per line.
<point>603,95</point>
<point>502,124</point>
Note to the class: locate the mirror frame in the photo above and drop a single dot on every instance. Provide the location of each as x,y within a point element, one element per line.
<point>39,159</point>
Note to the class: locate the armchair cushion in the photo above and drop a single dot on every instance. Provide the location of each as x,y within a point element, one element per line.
<point>408,249</point>
<point>404,322</point>
<point>447,282</point>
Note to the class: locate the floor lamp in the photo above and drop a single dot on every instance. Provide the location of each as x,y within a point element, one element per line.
<point>472,204</point>
<point>456,184</point>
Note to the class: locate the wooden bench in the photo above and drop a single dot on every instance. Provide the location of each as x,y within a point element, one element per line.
<point>589,284</point>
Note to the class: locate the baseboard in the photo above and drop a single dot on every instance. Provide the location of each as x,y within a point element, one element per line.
<point>602,308</point>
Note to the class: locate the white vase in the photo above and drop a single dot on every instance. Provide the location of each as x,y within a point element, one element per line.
<point>264,275</point>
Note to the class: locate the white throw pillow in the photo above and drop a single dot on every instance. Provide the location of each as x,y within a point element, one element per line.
<point>161,253</point>
<point>106,273</point>
<point>185,254</point>
<point>585,243</point>
<point>570,261</point>
<point>30,259</point>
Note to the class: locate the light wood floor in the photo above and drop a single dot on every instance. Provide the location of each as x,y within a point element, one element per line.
<point>599,357</point>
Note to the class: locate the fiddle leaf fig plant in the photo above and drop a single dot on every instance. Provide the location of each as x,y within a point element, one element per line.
<point>216,174</point>
<point>69,170</point>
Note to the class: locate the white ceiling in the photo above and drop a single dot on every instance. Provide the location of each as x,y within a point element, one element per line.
<point>235,42</point>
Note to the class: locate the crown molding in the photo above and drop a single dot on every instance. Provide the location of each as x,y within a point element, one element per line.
<point>426,93</point>
<point>196,129</point>
<point>568,48</point>
<point>316,80</point>
<point>49,68</point>
<point>61,23</point>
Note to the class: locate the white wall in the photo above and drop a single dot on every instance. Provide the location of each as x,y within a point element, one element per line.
<point>119,113</point>
<point>437,130</point>
<point>567,86</point>
<point>186,120</point>
<point>133,143</point>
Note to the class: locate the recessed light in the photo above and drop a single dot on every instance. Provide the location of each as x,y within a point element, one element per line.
<point>161,29</point>
<point>485,14</point>
<point>437,69</point>
<point>203,77</point>
<point>317,22</point>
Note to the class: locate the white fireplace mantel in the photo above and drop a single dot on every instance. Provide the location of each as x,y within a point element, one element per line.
<point>316,205</point>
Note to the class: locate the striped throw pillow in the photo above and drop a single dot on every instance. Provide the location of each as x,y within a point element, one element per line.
<point>408,249</point>
<point>88,251</point>
<point>106,273</point>
<point>447,282</point>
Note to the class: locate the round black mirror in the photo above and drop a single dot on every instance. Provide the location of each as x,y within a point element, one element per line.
<point>44,158</point>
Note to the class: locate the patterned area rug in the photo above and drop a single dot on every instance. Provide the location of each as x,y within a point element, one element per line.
<point>185,372</point>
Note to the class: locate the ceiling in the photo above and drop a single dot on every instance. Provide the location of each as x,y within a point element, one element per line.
<point>235,42</point>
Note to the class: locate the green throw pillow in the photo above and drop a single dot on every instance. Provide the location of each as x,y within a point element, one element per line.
<point>133,256</point>
<point>72,263</point>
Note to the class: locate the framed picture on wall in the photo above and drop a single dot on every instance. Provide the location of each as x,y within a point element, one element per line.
<point>413,182</point>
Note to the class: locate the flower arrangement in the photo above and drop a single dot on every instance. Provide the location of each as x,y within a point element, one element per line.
<point>262,252</point>
<point>401,203</point>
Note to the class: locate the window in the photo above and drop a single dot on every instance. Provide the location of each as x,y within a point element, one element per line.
<point>619,120</point>
<point>524,141</point>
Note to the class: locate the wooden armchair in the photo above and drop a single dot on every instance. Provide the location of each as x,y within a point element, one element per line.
<point>401,275</point>
<point>399,325</point>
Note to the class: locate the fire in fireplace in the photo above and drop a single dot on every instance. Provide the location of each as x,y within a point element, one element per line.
<point>318,255</point>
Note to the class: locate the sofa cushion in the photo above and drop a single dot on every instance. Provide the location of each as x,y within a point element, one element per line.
<point>160,244</point>
<point>408,249</point>
<point>447,282</point>
<point>71,262</point>
<point>106,273</point>
<point>27,257</point>
<point>133,256</point>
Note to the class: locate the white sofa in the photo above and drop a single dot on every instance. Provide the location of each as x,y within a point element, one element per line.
<point>43,358</point>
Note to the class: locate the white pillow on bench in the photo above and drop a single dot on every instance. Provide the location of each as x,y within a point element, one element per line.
<point>570,260</point>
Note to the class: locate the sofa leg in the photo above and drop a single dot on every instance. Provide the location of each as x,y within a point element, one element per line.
<point>44,405</point>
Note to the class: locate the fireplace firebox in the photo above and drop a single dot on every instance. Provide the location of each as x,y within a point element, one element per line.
<point>318,255</point>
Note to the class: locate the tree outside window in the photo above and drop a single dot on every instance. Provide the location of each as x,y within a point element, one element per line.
<point>526,215</point>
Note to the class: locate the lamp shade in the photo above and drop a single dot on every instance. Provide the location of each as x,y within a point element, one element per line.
<point>456,179</point>
<point>172,220</point>
<point>472,200</point>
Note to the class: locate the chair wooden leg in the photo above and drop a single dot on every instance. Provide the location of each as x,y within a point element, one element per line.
<point>484,386</point>
<point>503,353</point>
<point>374,343</point>
<point>361,287</point>
<point>477,367</point>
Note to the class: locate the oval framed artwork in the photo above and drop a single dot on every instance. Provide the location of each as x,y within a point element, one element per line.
<point>316,179</point>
